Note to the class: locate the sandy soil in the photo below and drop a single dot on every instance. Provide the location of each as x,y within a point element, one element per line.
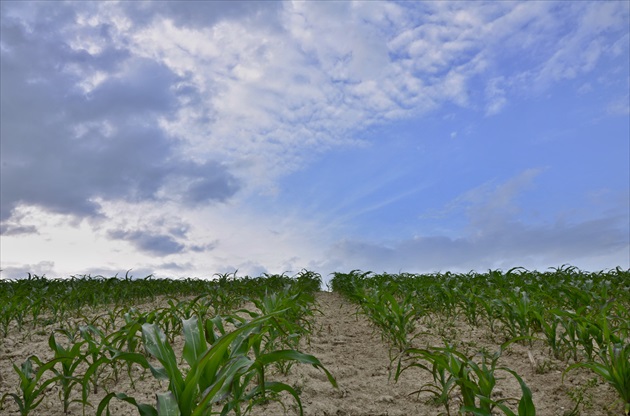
<point>348,346</point>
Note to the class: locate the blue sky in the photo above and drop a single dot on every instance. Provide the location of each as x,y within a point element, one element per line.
<point>185,139</point>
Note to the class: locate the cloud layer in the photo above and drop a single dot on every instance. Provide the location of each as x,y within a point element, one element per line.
<point>121,116</point>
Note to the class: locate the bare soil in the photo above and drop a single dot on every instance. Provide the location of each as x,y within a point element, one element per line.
<point>352,350</point>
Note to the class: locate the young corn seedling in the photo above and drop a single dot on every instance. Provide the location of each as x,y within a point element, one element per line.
<point>32,384</point>
<point>395,319</point>
<point>491,308</point>
<point>470,305</point>
<point>70,359</point>
<point>549,324</point>
<point>613,365</point>
<point>263,345</point>
<point>451,368</point>
<point>96,349</point>
<point>517,316</point>
<point>6,317</point>
<point>288,328</point>
<point>218,373</point>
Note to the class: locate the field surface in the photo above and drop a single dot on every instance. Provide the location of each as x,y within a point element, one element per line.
<point>353,349</point>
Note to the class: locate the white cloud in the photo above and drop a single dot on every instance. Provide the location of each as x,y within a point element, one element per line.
<point>207,104</point>
<point>619,106</point>
<point>270,95</point>
<point>495,94</point>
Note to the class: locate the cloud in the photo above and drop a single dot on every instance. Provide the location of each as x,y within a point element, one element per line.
<point>21,272</point>
<point>619,106</point>
<point>496,96</point>
<point>153,234</point>
<point>515,244</point>
<point>202,14</point>
<point>18,225</point>
<point>11,229</point>
<point>150,94</point>
<point>142,109</point>
<point>177,267</point>
<point>64,147</point>
<point>158,244</point>
<point>580,41</point>
<point>489,208</point>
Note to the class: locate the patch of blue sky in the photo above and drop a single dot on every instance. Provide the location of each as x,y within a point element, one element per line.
<point>412,169</point>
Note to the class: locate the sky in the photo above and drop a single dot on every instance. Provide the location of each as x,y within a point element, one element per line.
<point>185,139</point>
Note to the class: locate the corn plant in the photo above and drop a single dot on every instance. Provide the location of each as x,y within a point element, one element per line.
<point>70,358</point>
<point>32,384</point>
<point>97,348</point>
<point>549,323</point>
<point>297,309</point>
<point>293,309</point>
<point>451,368</point>
<point>125,339</point>
<point>491,308</point>
<point>517,315</point>
<point>470,305</point>
<point>613,365</point>
<point>6,317</point>
<point>217,373</point>
<point>445,302</point>
<point>395,318</point>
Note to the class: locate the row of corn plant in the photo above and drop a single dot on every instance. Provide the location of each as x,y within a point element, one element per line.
<point>40,301</point>
<point>581,317</point>
<point>476,381</point>
<point>226,366</point>
<point>228,370</point>
<point>394,318</point>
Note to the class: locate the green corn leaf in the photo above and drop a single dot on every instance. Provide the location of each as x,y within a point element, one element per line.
<point>143,409</point>
<point>156,344</point>
<point>475,411</point>
<point>212,359</point>
<point>293,355</point>
<point>275,387</point>
<point>194,340</point>
<point>29,379</point>
<point>526,404</point>
<point>167,405</point>
<point>223,383</point>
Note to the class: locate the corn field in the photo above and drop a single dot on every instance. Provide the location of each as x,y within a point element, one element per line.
<point>496,343</point>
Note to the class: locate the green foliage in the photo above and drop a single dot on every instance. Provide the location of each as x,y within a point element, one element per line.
<point>613,365</point>
<point>225,360</point>
<point>475,382</point>
<point>583,317</point>
<point>69,358</point>
<point>32,384</point>
<point>221,372</point>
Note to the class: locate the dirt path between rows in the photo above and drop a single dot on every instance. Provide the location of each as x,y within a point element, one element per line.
<point>350,349</point>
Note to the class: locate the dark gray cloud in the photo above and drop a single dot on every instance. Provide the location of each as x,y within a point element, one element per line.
<point>211,182</point>
<point>158,244</point>
<point>17,226</point>
<point>65,145</point>
<point>160,236</point>
<point>10,229</point>
<point>200,248</point>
